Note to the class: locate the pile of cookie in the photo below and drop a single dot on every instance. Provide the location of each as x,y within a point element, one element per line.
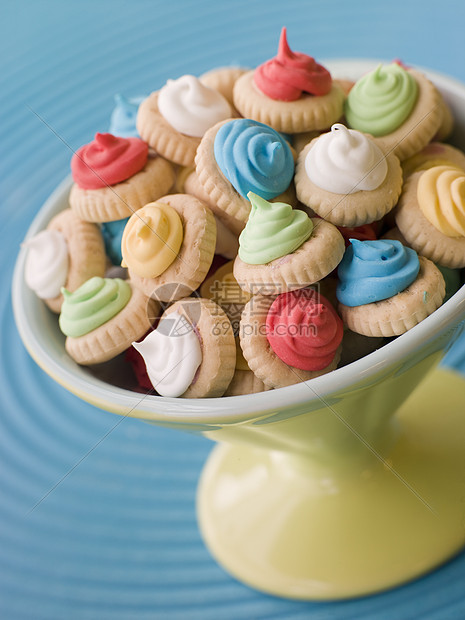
<point>251,229</point>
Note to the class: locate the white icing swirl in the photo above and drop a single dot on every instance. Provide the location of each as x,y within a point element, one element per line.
<point>190,107</point>
<point>47,263</point>
<point>172,354</point>
<point>345,161</point>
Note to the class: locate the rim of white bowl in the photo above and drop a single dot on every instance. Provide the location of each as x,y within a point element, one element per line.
<point>235,409</point>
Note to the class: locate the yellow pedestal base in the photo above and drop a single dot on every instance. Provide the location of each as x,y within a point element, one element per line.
<point>293,527</point>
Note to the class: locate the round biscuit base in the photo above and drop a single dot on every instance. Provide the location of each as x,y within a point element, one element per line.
<point>245,382</point>
<point>261,358</point>
<point>308,113</point>
<point>398,314</point>
<point>86,252</point>
<point>195,256</point>
<point>116,335</point>
<point>116,202</point>
<point>217,187</point>
<point>310,263</point>
<point>223,79</point>
<point>215,333</point>
<point>421,235</point>
<point>421,125</point>
<point>361,207</point>
<point>434,154</point>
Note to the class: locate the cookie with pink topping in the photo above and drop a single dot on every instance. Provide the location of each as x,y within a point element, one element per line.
<point>291,93</point>
<point>174,119</point>
<point>115,176</point>
<point>385,288</point>
<point>346,178</point>
<point>290,338</point>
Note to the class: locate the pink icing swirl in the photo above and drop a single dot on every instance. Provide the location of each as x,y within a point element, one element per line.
<point>303,329</point>
<point>290,74</point>
<point>108,160</point>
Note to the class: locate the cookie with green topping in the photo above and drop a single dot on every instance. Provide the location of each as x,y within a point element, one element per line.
<point>103,317</point>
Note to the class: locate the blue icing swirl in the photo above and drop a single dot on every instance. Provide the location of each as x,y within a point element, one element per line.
<point>123,117</point>
<point>112,233</point>
<point>375,270</point>
<point>254,158</point>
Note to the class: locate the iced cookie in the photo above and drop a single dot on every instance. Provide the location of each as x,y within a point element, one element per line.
<point>103,317</point>
<point>433,154</point>
<point>123,117</point>
<point>66,254</point>
<point>346,178</point>
<point>431,215</point>
<point>290,338</point>
<point>241,156</point>
<point>385,289</point>
<point>244,380</point>
<point>168,246</point>
<point>174,119</point>
<point>192,353</point>
<point>223,79</point>
<point>400,107</point>
<point>291,93</point>
<point>282,249</point>
<point>113,177</point>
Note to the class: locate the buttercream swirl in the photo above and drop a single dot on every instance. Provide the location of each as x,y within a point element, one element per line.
<point>441,197</point>
<point>94,303</point>
<point>123,117</point>
<point>47,263</point>
<point>151,239</point>
<point>303,329</point>
<point>345,161</point>
<point>382,100</point>
<point>375,270</point>
<point>191,107</point>
<point>290,74</point>
<point>112,233</point>
<point>254,158</point>
<point>108,160</point>
<point>172,354</point>
<point>273,230</point>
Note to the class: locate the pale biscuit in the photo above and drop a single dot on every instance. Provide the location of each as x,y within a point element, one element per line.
<point>223,79</point>
<point>421,125</point>
<point>86,252</point>
<point>307,113</point>
<point>261,358</point>
<point>421,235</point>
<point>191,265</point>
<point>398,314</point>
<point>447,123</point>
<point>117,334</point>
<point>361,207</point>
<point>245,382</point>
<point>116,202</point>
<point>216,337</point>
<point>193,186</point>
<point>219,190</point>
<point>310,263</point>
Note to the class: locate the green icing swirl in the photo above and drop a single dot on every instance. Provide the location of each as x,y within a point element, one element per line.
<point>381,100</point>
<point>273,230</point>
<point>94,303</point>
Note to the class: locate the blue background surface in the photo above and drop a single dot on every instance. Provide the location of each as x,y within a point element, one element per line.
<point>97,515</point>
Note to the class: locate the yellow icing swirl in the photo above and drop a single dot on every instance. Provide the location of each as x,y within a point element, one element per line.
<point>441,197</point>
<point>151,240</point>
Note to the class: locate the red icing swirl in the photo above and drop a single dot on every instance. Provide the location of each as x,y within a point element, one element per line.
<point>290,74</point>
<point>303,329</point>
<point>108,160</point>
